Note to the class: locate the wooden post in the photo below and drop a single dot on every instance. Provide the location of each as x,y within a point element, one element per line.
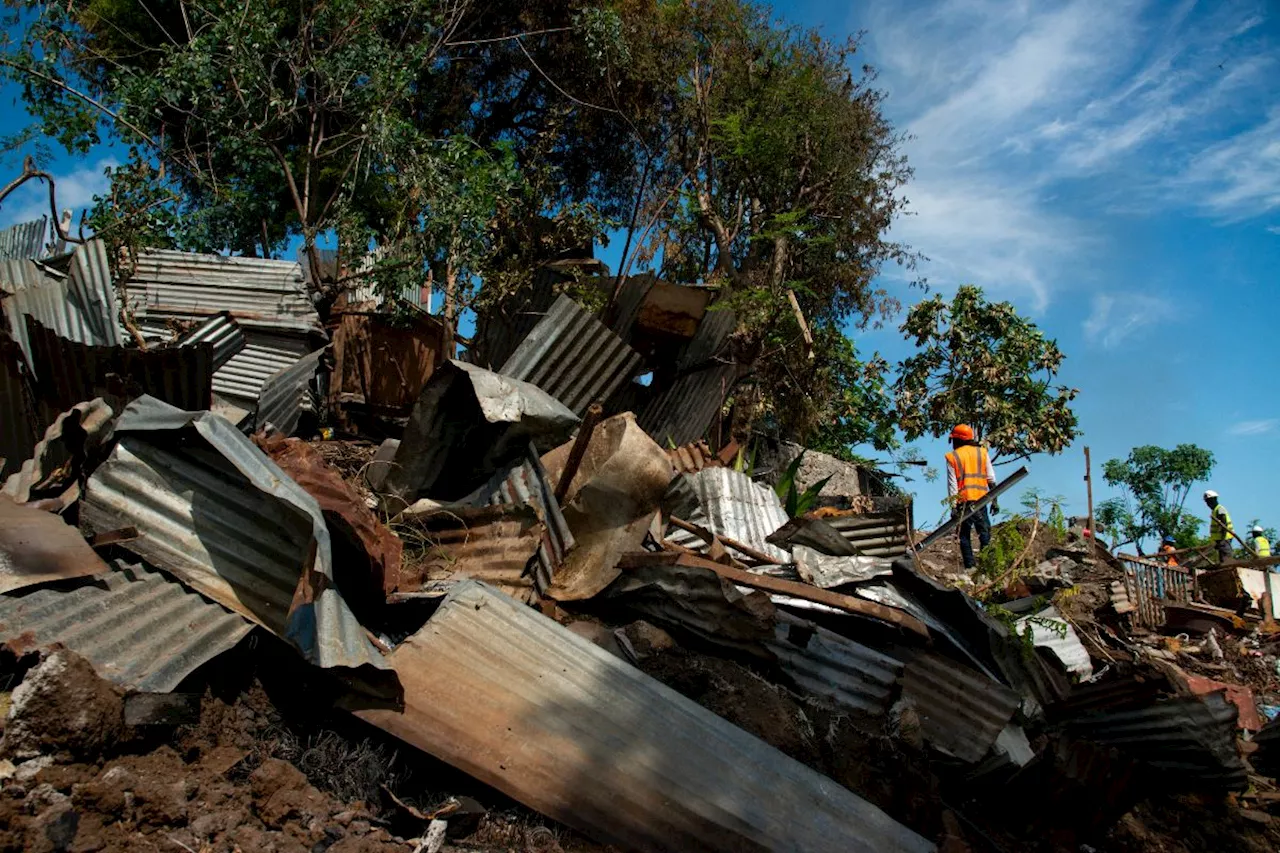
<point>1088,485</point>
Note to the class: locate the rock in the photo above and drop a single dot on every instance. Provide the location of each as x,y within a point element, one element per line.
<point>27,770</point>
<point>647,639</point>
<point>53,830</point>
<point>62,708</point>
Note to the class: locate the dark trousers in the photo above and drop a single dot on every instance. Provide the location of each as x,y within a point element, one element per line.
<point>1224,550</point>
<point>981,522</point>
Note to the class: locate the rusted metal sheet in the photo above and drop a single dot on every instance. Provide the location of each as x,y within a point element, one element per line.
<point>526,482</point>
<point>138,628</point>
<point>962,711</point>
<point>1190,741</point>
<point>682,412</point>
<point>74,433</point>
<point>522,704</point>
<point>1148,583</point>
<point>825,664</point>
<point>573,357</point>
<point>37,547</point>
<point>384,365</point>
<point>293,394</point>
<point>79,305</point>
<point>730,504</point>
<point>73,372</point>
<point>495,544</point>
<point>26,240</point>
<point>214,511</point>
<point>1236,694</point>
<point>609,505</point>
<point>693,457</point>
<point>264,355</point>
<point>369,550</point>
<point>221,332</point>
<point>258,292</point>
<point>467,423</point>
<point>673,310</point>
<point>874,534</point>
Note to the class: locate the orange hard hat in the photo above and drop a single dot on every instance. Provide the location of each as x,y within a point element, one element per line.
<point>963,432</point>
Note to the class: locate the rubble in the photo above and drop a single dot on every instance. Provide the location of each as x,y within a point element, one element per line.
<point>620,629</point>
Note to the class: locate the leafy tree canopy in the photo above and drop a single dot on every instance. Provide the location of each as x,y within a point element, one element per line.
<point>1155,483</point>
<point>983,364</point>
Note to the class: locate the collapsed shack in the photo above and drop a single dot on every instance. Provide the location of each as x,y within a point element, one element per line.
<point>545,607</point>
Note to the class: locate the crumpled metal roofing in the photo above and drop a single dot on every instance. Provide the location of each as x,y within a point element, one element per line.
<point>573,357</point>
<point>293,392</point>
<point>26,240</point>
<point>258,292</point>
<point>1066,646</point>
<point>79,306</point>
<point>21,422</point>
<point>264,355</point>
<point>521,703</point>
<point>836,668</point>
<point>1191,741</point>
<point>962,712</point>
<point>221,332</point>
<point>220,515</point>
<point>732,505</point>
<point>138,628</point>
<point>882,534</point>
<point>681,413</point>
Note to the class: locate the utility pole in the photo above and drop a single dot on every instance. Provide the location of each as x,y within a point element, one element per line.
<point>1088,484</point>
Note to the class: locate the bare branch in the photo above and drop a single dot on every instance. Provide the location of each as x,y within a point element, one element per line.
<point>515,37</point>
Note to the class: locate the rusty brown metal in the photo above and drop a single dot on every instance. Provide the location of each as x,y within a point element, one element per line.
<point>38,547</point>
<point>693,457</point>
<point>446,544</point>
<point>519,702</point>
<point>381,365</point>
<point>351,523</point>
<point>710,538</point>
<point>594,412</point>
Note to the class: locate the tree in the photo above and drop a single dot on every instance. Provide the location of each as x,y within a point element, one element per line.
<point>1155,483</point>
<point>982,364</point>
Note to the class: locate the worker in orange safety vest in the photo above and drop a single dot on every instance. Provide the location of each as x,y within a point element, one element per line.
<point>969,478</point>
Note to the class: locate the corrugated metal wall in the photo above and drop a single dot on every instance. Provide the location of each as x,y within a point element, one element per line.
<point>25,240</point>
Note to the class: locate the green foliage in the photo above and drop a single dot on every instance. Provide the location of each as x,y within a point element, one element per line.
<point>1048,511</point>
<point>982,364</point>
<point>1155,483</point>
<point>1024,639</point>
<point>796,502</point>
<point>1007,543</point>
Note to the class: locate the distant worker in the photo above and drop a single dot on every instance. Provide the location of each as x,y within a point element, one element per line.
<point>969,478</point>
<point>1167,549</point>
<point>1220,529</point>
<point>1260,544</point>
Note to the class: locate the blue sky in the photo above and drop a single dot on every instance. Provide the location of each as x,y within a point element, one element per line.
<point>1112,168</point>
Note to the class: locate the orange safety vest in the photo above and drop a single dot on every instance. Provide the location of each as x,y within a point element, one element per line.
<point>969,463</point>
<point>1169,549</point>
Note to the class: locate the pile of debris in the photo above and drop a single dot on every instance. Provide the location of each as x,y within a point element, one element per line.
<point>634,642</point>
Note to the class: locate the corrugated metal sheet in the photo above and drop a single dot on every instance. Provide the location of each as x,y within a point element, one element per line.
<point>264,355</point>
<point>17,408</point>
<point>826,664</point>
<point>1066,646</point>
<point>258,292</point>
<point>500,330</point>
<point>139,629</point>
<point>494,544</point>
<point>713,332</point>
<point>731,505</point>
<point>693,457</point>
<point>87,424</point>
<point>573,357</point>
<point>25,240</point>
<point>293,393</point>
<point>73,372</point>
<point>383,363</point>
<point>1191,741</point>
<point>213,510</point>
<point>874,534</point>
<point>221,332</point>
<point>80,306</point>
<point>682,412</point>
<point>962,712</point>
<point>522,704</point>
<point>527,483</point>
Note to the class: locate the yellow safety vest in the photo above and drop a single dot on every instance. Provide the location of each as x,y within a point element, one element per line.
<point>969,464</point>
<point>1262,546</point>
<point>1220,524</point>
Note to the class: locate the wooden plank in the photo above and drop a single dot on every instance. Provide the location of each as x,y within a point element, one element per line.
<point>795,589</point>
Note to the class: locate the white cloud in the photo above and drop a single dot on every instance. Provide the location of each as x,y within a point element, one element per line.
<point>1014,106</point>
<point>1254,427</point>
<point>1118,318</point>
<point>1274,229</point>
<point>75,192</point>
